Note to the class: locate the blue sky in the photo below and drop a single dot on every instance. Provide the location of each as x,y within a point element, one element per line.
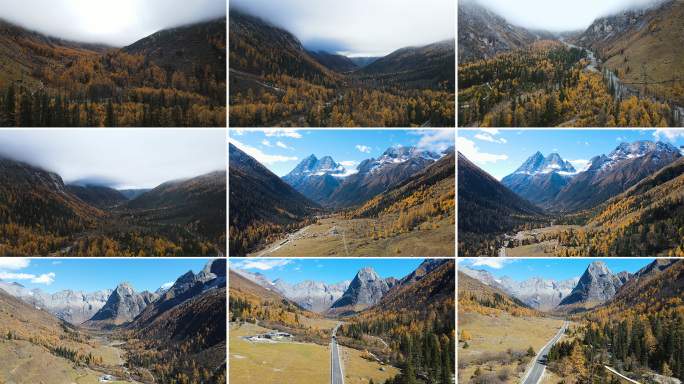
<point>557,268</point>
<point>280,150</point>
<point>331,271</point>
<point>92,274</point>
<point>501,151</point>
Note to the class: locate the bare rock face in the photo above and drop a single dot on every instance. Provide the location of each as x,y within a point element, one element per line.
<point>367,288</point>
<point>74,307</point>
<point>15,172</point>
<point>539,293</point>
<point>124,303</point>
<point>312,295</point>
<point>597,284</point>
<point>316,297</point>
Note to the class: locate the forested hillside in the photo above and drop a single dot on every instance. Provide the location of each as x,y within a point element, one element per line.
<point>417,322</point>
<point>638,332</point>
<point>172,78</point>
<point>549,84</point>
<point>273,82</point>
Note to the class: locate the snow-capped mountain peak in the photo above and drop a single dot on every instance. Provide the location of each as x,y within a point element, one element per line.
<point>640,148</point>
<point>538,164</point>
<point>312,166</point>
<point>397,155</point>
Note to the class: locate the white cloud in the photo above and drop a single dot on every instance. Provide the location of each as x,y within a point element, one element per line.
<point>8,264</point>
<point>56,262</point>
<point>258,154</point>
<point>263,265</point>
<point>435,140</point>
<point>14,263</point>
<point>496,263</point>
<point>363,148</point>
<point>486,136</point>
<point>491,131</point>
<point>15,276</point>
<point>671,134</point>
<point>282,132</point>
<point>266,143</point>
<point>470,151</point>
<point>282,145</point>
<point>167,285</point>
<point>45,278</point>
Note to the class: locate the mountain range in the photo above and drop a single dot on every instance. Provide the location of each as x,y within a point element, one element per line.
<point>264,206</point>
<point>258,197</point>
<point>311,295</point>
<point>597,285</point>
<point>486,206</point>
<point>65,211</point>
<point>554,184</point>
<point>122,304</point>
<point>483,34</point>
<point>329,183</point>
<point>348,296</point>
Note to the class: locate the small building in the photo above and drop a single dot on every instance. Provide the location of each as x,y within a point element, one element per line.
<point>277,335</point>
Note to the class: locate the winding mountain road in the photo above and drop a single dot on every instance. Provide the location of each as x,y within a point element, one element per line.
<point>539,366</point>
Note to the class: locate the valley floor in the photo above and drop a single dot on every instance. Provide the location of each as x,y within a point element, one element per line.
<point>293,361</point>
<point>493,339</point>
<point>25,362</point>
<point>546,248</point>
<point>340,237</point>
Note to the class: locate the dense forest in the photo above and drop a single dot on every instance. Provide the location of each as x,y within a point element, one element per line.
<point>418,325</point>
<point>184,345</point>
<point>640,333</point>
<point>173,78</point>
<point>38,221</point>
<point>548,84</point>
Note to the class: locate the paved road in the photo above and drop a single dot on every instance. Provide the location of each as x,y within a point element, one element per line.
<point>335,365</point>
<point>124,368</point>
<point>539,366</point>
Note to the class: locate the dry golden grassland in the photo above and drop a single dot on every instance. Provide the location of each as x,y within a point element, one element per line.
<point>432,241</point>
<point>492,336</point>
<point>358,370</point>
<point>322,323</point>
<point>281,362</point>
<point>537,250</point>
<point>23,362</point>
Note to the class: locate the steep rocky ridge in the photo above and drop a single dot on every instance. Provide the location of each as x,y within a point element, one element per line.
<point>597,285</point>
